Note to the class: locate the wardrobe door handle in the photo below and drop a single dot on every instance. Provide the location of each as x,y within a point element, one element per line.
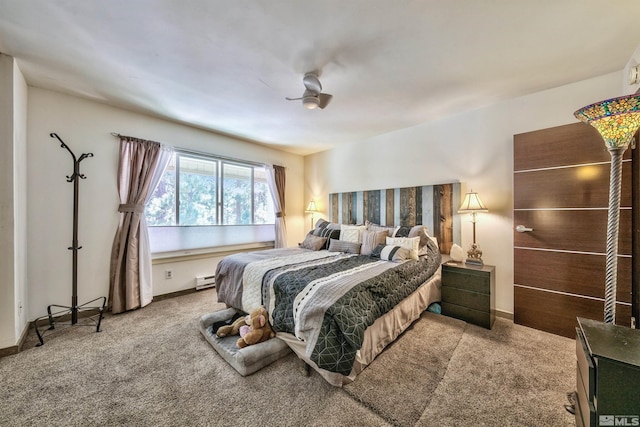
<point>523,229</point>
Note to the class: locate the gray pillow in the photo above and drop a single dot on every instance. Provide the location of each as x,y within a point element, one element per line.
<point>371,239</point>
<point>420,231</point>
<point>344,246</point>
<point>375,227</point>
<point>312,242</point>
<point>327,233</point>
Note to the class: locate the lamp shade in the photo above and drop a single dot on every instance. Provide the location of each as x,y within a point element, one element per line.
<point>616,119</point>
<point>472,203</point>
<point>311,207</point>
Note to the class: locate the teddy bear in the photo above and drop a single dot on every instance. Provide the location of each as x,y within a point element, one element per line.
<point>257,328</point>
<point>232,329</point>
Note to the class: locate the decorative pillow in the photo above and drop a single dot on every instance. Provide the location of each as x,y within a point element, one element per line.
<point>390,253</point>
<point>420,231</point>
<point>351,233</point>
<point>344,246</point>
<point>375,227</point>
<point>314,243</point>
<point>323,224</point>
<point>328,233</point>
<point>371,239</point>
<point>402,231</point>
<point>425,249</point>
<point>411,243</point>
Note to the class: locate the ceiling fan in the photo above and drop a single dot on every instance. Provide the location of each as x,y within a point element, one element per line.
<point>312,97</point>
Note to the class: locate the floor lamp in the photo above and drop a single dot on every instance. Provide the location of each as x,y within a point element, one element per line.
<point>617,121</point>
<point>311,208</point>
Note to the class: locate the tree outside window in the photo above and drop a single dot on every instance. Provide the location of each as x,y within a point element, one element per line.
<point>198,190</point>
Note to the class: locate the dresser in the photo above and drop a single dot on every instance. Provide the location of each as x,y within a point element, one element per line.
<point>468,293</point>
<point>608,374</point>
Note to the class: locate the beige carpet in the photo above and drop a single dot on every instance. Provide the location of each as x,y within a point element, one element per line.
<point>152,367</point>
<point>514,374</point>
<point>400,383</point>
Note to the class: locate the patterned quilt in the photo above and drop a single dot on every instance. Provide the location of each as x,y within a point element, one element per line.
<point>326,299</point>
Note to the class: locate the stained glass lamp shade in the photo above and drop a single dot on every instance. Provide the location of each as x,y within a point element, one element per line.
<point>617,120</point>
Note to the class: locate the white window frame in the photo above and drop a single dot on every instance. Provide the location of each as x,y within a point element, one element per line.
<point>179,239</point>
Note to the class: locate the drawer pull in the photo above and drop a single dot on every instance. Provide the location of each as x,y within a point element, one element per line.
<point>523,229</point>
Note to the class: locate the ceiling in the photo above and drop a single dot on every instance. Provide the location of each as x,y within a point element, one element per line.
<point>227,65</point>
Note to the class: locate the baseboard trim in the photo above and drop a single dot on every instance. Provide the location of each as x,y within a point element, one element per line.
<point>15,349</point>
<point>175,294</point>
<point>504,315</point>
<point>23,336</point>
<point>9,351</point>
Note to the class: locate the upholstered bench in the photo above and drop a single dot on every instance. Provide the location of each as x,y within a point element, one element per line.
<point>244,360</point>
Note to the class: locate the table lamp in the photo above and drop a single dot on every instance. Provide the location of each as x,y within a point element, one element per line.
<point>472,205</point>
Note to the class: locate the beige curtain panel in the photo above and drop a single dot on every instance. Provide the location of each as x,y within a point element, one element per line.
<point>276,181</point>
<point>141,166</point>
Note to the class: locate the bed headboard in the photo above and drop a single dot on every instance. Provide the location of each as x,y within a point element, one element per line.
<point>433,206</point>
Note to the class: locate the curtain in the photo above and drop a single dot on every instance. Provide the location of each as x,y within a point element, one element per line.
<point>140,168</point>
<point>276,181</point>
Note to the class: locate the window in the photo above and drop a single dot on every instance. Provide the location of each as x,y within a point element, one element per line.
<point>204,190</point>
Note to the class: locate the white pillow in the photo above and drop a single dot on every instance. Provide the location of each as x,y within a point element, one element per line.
<point>352,233</point>
<point>411,243</point>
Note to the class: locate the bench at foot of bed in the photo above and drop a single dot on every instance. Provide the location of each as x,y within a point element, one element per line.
<point>244,360</point>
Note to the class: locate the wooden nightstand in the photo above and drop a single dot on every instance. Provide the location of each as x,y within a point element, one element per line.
<point>468,293</point>
<point>608,374</point>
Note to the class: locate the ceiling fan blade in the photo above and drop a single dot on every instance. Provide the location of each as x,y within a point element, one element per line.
<point>292,99</point>
<point>312,83</point>
<point>325,99</point>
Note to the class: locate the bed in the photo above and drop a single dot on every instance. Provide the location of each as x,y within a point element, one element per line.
<point>340,297</point>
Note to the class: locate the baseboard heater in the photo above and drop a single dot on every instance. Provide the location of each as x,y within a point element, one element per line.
<point>204,282</point>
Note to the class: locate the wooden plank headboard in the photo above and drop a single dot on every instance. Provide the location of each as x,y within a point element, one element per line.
<point>433,206</point>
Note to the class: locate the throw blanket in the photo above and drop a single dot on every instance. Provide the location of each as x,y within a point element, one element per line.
<point>326,299</point>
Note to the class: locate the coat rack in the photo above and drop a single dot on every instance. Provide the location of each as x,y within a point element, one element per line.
<point>71,312</point>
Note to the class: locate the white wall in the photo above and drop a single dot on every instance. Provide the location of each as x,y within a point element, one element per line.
<point>85,126</point>
<point>7,291</point>
<point>474,148</point>
<point>20,200</point>
<point>184,273</point>
<point>13,271</point>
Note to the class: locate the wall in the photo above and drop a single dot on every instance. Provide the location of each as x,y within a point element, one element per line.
<point>85,126</point>
<point>7,292</point>
<point>13,271</point>
<point>474,148</point>
<point>20,94</point>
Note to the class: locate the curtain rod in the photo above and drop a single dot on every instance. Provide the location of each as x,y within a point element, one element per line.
<point>202,153</point>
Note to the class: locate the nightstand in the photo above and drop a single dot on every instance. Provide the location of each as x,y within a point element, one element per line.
<point>608,374</point>
<point>468,293</point>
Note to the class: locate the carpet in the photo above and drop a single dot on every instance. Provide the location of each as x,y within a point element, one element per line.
<point>152,367</point>
<point>400,382</point>
<point>516,376</point>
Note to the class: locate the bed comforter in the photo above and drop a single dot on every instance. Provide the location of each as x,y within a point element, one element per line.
<point>326,299</point>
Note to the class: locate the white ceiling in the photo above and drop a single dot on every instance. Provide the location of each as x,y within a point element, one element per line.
<point>227,65</point>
